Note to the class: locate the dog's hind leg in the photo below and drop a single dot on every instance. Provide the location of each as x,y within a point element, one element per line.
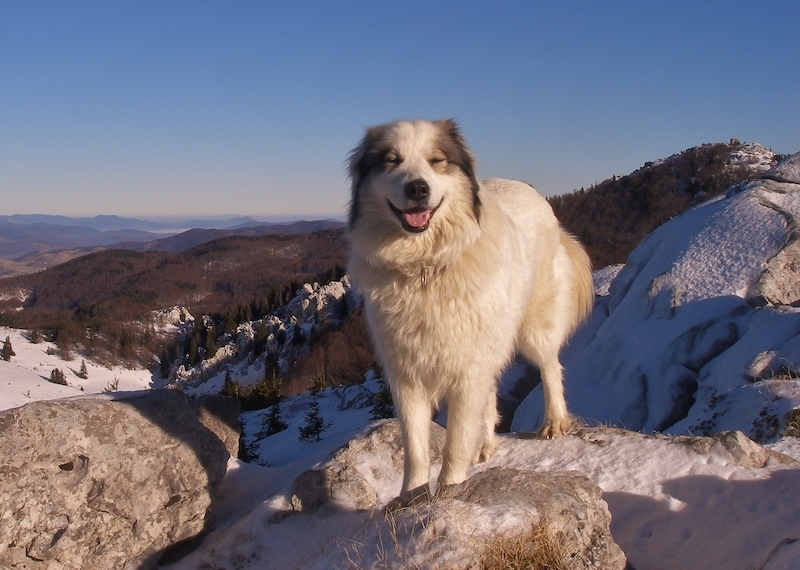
<point>542,352</point>
<point>490,423</point>
<point>557,420</point>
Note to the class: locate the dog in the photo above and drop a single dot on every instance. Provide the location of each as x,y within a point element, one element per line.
<point>458,275</point>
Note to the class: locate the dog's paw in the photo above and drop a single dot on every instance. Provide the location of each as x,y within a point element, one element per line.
<point>413,497</point>
<point>554,427</point>
<point>488,449</point>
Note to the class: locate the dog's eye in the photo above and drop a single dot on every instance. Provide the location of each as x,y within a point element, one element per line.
<point>437,160</point>
<point>392,158</point>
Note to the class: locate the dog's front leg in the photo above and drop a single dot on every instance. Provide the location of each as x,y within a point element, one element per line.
<point>414,413</point>
<point>465,432</point>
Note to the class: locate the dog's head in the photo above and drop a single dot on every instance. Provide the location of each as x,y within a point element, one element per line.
<point>410,170</point>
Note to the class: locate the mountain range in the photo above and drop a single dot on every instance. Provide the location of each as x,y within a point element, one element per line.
<point>30,243</point>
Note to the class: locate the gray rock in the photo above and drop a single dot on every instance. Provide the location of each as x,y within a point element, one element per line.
<point>339,484</point>
<point>569,502</point>
<point>99,483</point>
<point>462,522</point>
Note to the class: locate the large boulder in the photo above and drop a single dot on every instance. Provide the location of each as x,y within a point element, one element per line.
<point>109,482</point>
<point>700,331</point>
<point>500,510</point>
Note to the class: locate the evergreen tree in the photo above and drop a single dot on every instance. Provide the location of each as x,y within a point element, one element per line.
<point>57,376</point>
<point>8,352</point>
<point>211,341</point>
<point>84,373</point>
<point>383,407</point>
<point>230,387</point>
<point>272,423</point>
<point>164,366</point>
<point>36,336</point>
<point>315,423</point>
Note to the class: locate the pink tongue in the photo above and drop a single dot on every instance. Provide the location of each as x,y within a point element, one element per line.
<point>417,219</point>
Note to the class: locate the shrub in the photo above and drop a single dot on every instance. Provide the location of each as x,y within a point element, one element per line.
<point>57,377</point>
<point>792,423</point>
<point>8,352</point>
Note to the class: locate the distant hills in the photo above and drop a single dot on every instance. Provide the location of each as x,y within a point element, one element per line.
<point>30,243</point>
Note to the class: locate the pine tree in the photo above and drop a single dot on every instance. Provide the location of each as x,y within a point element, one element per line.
<point>57,376</point>
<point>272,423</point>
<point>211,341</point>
<point>230,387</point>
<point>315,424</point>
<point>383,407</point>
<point>8,352</point>
<point>164,365</point>
<point>84,373</point>
<point>36,336</point>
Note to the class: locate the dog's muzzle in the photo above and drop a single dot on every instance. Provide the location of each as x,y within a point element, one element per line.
<point>417,218</point>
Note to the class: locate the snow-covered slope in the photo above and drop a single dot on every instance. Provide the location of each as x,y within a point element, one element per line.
<point>700,331</point>
<point>673,505</point>
<point>25,377</point>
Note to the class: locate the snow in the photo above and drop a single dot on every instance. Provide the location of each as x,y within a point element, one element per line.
<point>681,342</point>
<point>25,378</point>
<point>671,506</point>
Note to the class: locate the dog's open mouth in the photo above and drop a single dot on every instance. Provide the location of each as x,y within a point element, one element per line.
<point>414,220</point>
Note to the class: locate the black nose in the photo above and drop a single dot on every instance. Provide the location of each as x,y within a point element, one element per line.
<point>417,189</point>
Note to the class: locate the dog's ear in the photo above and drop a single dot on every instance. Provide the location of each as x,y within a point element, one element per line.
<point>459,154</point>
<point>360,162</point>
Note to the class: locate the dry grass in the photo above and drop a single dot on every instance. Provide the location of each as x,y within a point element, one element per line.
<point>537,549</point>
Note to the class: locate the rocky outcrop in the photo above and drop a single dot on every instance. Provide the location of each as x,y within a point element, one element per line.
<point>313,307</point>
<point>110,483</point>
<point>700,331</point>
<point>456,528</point>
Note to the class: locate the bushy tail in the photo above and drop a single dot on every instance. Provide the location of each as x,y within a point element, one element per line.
<point>583,285</point>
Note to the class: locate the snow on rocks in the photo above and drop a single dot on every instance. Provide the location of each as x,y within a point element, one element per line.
<point>175,316</point>
<point>700,324</point>
<point>318,302</point>
<point>312,307</point>
<point>675,502</point>
<point>752,156</point>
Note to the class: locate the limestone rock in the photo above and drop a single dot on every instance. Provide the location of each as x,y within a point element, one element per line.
<point>339,482</point>
<point>457,527</point>
<point>568,501</point>
<point>107,483</point>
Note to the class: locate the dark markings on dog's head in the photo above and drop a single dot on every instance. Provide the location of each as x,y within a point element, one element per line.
<point>455,149</point>
<point>366,156</point>
<point>373,150</point>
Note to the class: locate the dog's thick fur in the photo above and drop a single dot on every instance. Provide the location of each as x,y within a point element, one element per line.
<point>457,274</point>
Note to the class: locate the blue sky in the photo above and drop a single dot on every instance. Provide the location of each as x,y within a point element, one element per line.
<point>227,108</point>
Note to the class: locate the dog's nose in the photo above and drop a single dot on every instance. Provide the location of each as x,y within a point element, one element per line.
<point>417,189</point>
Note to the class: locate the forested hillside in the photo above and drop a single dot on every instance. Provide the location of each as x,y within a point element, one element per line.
<point>612,217</point>
<point>102,301</point>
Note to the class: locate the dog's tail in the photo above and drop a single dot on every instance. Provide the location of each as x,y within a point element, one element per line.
<point>583,284</point>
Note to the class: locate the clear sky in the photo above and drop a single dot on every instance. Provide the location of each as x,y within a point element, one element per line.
<point>139,108</point>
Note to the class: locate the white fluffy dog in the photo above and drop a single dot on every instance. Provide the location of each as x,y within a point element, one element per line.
<point>457,274</point>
